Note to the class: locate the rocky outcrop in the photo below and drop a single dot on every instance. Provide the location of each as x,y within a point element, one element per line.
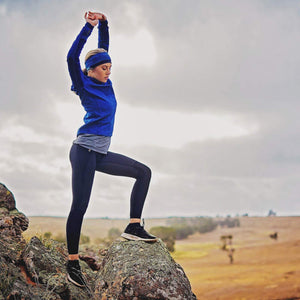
<point>139,270</point>
<point>12,222</point>
<point>128,269</point>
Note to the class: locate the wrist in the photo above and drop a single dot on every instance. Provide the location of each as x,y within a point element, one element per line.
<point>89,25</point>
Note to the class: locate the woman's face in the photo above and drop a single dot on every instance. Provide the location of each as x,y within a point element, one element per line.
<point>101,72</point>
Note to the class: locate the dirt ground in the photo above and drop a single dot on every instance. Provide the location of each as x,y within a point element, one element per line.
<point>263,268</point>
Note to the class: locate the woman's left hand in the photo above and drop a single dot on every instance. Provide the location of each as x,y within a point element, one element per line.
<point>99,16</point>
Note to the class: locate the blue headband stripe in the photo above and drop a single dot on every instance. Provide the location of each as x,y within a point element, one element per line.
<point>97,59</point>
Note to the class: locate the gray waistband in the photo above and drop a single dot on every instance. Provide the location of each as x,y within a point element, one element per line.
<point>97,143</point>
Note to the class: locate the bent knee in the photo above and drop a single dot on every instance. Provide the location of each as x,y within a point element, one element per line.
<point>144,171</point>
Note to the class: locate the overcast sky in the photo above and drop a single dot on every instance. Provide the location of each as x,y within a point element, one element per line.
<point>208,97</point>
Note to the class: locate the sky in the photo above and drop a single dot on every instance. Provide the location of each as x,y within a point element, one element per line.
<point>208,98</point>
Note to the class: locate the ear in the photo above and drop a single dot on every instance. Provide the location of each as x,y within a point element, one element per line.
<point>89,72</point>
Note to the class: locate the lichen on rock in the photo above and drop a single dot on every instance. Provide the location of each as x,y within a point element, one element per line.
<point>142,270</point>
<point>7,199</point>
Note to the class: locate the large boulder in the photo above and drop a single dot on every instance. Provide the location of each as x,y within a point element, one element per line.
<point>139,270</point>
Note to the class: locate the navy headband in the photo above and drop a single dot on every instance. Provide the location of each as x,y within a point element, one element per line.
<point>97,59</point>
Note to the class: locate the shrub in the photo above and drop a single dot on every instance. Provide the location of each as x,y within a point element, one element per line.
<point>114,233</point>
<point>84,239</point>
<point>187,226</point>
<point>206,225</point>
<point>60,238</point>
<point>167,234</point>
<point>230,222</point>
<point>183,231</point>
<point>47,235</point>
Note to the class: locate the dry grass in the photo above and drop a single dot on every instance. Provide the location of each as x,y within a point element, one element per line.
<point>263,269</point>
<point>94,228</point>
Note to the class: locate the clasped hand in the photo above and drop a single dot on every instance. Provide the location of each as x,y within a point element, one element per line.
<point>94,17</point>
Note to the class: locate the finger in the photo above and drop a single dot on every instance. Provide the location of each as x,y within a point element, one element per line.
<point>91,16</point>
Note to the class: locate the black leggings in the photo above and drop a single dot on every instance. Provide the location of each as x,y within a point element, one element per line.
<point>84,164</point>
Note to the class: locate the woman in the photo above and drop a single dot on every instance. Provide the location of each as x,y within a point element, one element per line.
<point>89,152</point>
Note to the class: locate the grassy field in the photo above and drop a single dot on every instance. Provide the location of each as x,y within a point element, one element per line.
<point>263,268</point>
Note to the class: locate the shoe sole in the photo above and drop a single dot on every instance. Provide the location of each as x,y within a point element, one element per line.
<point>74,282</point>
<point>136,238</point>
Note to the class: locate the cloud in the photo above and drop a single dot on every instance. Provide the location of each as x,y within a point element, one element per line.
<point>231,56</point>
<point>208,98</point>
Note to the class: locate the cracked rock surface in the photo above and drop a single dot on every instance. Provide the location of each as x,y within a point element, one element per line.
<point>140,270</point>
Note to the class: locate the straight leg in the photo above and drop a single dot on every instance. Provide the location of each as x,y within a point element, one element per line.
<point>83,164</point>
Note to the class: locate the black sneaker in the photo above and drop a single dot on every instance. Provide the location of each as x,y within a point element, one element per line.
<point>136,232</point>
<point>74,273</point>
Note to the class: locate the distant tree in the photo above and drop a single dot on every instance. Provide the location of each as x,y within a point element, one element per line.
<point>183,231</point>
<point>230,222</point>
<point>187,226</point>
<point>227,241</point>
<point>206,225</point>
<point>271,213</point>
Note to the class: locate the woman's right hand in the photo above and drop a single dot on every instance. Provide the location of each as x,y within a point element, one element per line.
<point>91,18</point>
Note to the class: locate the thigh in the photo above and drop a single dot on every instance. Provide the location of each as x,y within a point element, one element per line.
<point>118,164</point>
<point>83,168</point>
<point>82,160</point>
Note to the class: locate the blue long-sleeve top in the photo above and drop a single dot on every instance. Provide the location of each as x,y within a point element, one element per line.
<point>97,98</point>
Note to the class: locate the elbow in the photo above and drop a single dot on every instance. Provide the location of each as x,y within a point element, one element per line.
<point>72,55</point>
<point>71,60</point>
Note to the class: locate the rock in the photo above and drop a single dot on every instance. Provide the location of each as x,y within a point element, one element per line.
<point>46,267</point>
<point>21,290</point>
<point>7,199</point>
<point>11,277</point>
<point>39,262</point>
<point>12,222</point>
<point>91,261</point>
<point>140,270</point>
<point>128,269</point>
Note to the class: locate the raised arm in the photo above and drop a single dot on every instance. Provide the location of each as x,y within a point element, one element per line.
<point>103,34</point>
<point>75,71</point>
